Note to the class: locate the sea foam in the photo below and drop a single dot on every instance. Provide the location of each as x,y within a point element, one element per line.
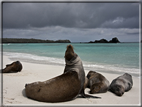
<point>61,61</point>
<point>34,58</point>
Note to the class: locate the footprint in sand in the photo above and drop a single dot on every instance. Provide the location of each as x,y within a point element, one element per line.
<point>8,98</point>
<point>8,102</point>
<point>91,101</point>
<point>12,101</point>
<point>5,91</point>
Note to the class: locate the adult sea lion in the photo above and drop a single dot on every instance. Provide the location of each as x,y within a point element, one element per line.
<point>61,88</point>
<point>74,63</point>
<point>97,82</point>
<point>13,67</point>
<point>121,84</point>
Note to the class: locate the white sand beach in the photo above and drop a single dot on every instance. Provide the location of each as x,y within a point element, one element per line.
<point>14,83</point>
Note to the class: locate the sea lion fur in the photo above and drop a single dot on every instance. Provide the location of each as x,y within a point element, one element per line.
<point>64,87</point>
<point>59,89</point>
<point>13,67</point>
<point>121,84</point>
<point>74,63</point>
<point>86,82</point>
<point>97,82</point>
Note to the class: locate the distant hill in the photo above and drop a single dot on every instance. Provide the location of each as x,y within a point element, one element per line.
<point>114,40</point>
<point>19,40</point>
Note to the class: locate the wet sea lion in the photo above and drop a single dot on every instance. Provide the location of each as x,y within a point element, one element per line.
<point>74,63</point>
<point>13,67</point>
<point>61,88</point>
<point>97,82</point>
<point>121,84</point>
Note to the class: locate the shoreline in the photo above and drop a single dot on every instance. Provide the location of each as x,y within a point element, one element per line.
<point>33,72</point>
<point>45,60</point>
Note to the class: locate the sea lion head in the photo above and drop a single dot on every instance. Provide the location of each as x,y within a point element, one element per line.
<point>95,88</point>
<point>118,90</point>
<point>128,77</point>
<point>69,54</point>
<point>91,73</point>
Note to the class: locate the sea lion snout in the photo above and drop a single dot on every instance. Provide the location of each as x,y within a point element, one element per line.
<point>119,93</point>
<point>69,46</point>
<point>69,54</point>
<point>117,89</point>
<point>120,90</point>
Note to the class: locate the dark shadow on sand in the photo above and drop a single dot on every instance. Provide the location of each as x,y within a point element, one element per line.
<point>8,72</point>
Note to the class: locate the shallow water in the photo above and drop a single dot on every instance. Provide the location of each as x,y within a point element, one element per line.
<point>112,58</point>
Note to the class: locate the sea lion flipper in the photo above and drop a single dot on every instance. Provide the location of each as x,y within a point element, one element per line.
<point>89,96</point>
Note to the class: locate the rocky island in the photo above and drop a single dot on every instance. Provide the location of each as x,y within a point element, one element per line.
<point>114,40</point>
<point>19,40</point>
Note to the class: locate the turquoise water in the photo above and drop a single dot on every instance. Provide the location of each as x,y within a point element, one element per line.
<point>115,58</point>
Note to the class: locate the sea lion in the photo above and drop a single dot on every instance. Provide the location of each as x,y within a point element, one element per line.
<point>121,84</point>
<point>97,82</point>
<point>86,82</point>
<point>61,88</point>
<point>13,67</point>
<point>74,63</point>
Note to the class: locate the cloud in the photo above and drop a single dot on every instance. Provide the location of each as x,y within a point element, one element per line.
<point>71,15</point>
<point>120,22</point>
<point>78,22</point>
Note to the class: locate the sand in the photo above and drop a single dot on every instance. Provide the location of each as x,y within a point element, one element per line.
<point>14,83</point>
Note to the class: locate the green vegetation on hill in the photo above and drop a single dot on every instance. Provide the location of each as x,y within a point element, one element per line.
<point>18,40</point>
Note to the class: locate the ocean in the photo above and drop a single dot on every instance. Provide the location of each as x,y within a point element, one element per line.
<point>109,58</point>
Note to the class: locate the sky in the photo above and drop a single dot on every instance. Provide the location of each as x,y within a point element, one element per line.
<point>77,22</point>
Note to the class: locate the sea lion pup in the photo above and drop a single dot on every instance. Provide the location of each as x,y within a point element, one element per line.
<point>61,88</point>
<point>121,84</point>
<point>97,82</point>
<point>13,67</point>
<point>74,63</point>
